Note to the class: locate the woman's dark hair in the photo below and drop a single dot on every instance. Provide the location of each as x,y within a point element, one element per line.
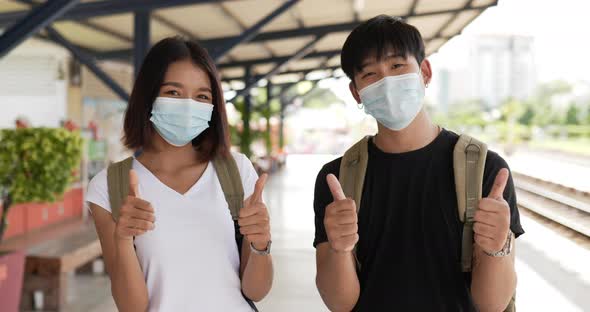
<point>139,131</point>
<point>375,37</point>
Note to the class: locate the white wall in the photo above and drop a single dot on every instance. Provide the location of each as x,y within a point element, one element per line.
<point>33,84</point>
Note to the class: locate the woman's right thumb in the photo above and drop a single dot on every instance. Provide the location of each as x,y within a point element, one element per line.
<point>133,183</point>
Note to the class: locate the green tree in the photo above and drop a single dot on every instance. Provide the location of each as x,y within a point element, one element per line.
<point>571,117</point>
<point>466,113</point>
<point>320,98</point>
<point>528,115</point>
<point>36,165</point>
<point>542,102</point>
<point>512,110</point>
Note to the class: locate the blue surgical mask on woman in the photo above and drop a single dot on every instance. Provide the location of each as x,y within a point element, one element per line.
<point>179,121</point>
<point>394,101</point>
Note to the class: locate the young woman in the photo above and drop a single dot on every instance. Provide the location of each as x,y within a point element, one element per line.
<point>173,246</point>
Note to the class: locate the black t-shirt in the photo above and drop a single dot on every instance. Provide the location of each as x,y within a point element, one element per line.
<point>409,228</point>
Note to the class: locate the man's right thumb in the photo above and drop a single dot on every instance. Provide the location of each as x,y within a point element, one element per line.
<point>335,187</point>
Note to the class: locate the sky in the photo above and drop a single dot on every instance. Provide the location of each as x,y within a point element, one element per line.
<point>560,30</point>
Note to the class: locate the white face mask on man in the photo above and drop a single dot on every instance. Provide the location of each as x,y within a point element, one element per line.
<point>394,101</point>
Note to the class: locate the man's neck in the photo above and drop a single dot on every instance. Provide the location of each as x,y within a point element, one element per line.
<point>417,135</point>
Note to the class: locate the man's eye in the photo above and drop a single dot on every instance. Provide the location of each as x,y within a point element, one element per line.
<point>368,74</point>
<point>396,66</point>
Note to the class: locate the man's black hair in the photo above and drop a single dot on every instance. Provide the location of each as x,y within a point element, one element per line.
<point>376,37</point>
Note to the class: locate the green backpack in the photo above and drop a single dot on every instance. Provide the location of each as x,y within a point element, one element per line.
<point>469,159</point>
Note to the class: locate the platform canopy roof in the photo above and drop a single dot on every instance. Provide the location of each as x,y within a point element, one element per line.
<point>271,38</point>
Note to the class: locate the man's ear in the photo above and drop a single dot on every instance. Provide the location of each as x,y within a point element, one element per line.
<point>426,70</point>
<point>355,93</point>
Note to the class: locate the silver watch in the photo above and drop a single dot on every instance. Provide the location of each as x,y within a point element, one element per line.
<point>505,251</point>
<point>264,252</point>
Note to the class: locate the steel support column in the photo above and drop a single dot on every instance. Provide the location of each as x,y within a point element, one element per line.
<point>141,38</point>
<point>268,114</point>
<point>247,111</point>
<point>282,124</point>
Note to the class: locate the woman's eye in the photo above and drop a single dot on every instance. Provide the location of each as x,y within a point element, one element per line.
<point>203,97</point>
<point>396,66</point>
<point>173,92</point>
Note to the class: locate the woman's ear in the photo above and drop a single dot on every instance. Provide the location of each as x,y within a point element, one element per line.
<point>354,92</point>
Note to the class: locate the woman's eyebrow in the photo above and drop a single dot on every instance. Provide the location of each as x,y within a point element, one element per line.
<point>172,83</point>
<point>206,89</point>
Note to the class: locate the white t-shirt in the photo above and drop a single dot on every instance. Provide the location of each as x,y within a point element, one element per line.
<point>190,261</point>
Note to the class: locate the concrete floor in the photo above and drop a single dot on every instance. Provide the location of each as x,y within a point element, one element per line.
<point>553,271</point>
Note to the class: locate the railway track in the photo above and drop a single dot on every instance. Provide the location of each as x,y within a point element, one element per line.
<point>565,206</point>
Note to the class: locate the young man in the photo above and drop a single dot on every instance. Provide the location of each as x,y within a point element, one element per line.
<point>407,236</point>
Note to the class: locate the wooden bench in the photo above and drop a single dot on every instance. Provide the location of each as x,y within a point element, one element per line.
<point>53,254</point>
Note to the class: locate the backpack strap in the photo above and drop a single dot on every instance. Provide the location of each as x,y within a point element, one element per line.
<point>231,183</point>
<point>469,158</point>
<point>353,168</point>
<point>118,184</point>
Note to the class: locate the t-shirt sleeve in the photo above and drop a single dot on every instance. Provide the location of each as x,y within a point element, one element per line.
<point>494,164</point>
<point>97,192</point>
<point>247,173</point>
<point>322,198</point>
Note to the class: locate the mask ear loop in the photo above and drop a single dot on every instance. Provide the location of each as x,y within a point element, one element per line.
<point>360,106</point>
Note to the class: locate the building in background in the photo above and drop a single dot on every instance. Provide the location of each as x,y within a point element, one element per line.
<point>503,67</point>
<point>496,67</point>
<point>33,83</point>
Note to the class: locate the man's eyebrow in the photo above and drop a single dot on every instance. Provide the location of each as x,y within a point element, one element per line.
<point>387,57</point>
<point>365,64</point>
<point>394,55</point>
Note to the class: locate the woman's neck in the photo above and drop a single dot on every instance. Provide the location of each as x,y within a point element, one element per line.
<point>162,156</point>
<point>417,135</point>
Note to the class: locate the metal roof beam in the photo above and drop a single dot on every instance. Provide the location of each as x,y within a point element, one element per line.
<point>297,32</point>
<point>289,72</point>
<point>174,26</point>
<point>278,59</point>
<point>468,4</point>
<point>32,22</point>
<point>87,60</point>
<point>106,7</point>
<point>95,26</point>
<point>326,29</point>
<point>299,54</point>
<point>413,7</point>
<point>249,33</point>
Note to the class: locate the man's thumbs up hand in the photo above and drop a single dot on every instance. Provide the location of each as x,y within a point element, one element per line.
<point>492,219</point>
<point>340,219</point>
